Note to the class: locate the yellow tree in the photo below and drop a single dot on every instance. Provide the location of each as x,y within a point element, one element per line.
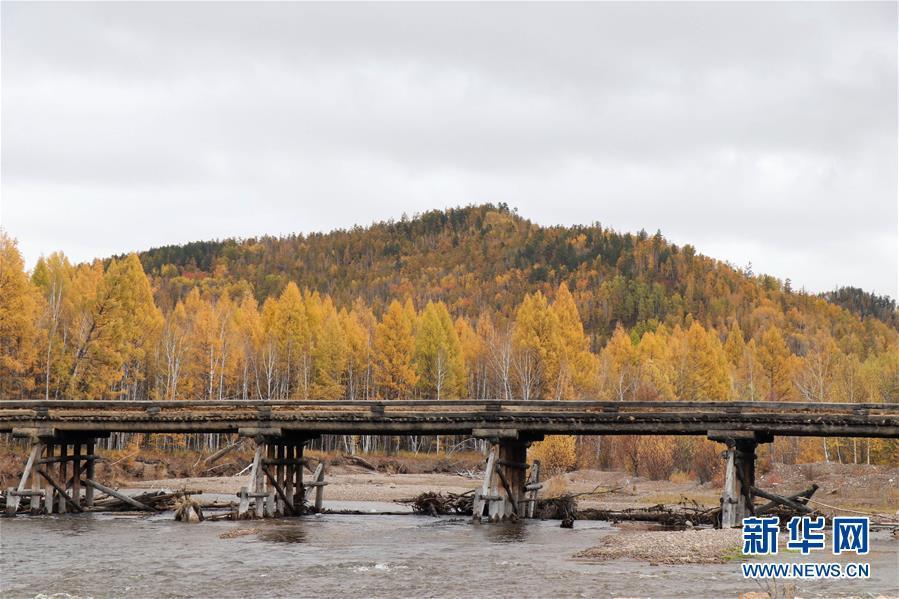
<point>394,350</point>
<point>249,336</point>
<point>735,345</point>
<point>141,323</point>
<point>704,373</point>
<point>330,354</point>
<point>536,343</point>
<point>815,374</point>
<point>202,346</point>
<point>656,375</point>
<point>53,276</point>
<point>474,357</point>
<point>618,367</point>
<point>577,366</point>
<point>500,354</point>
<point>19,308</point>
<point>749,380</point>
<point>359,349</point>
<point>294,340</point>
<point>228,359</point>
<point>439,362</point>
<point>269,357</point>
<point>173,349</point>
<point>115,318</point>
<point>777,364</point>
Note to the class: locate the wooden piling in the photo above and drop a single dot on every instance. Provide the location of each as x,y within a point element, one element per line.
<point>289,475</point>
<point>76,472</point>
<point>89,490</point>
<point>318,479</point>
<point>728,497</point>
<point>36,484</point>
<point>49,504</point>
<point>63,466</point>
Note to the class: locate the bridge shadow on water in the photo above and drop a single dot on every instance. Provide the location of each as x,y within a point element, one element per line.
<point>292,532</point>
<point>503,532</point>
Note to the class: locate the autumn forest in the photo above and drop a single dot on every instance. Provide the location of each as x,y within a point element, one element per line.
<point>470,302</point>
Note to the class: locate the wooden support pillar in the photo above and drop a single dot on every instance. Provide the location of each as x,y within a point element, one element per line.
<point>259,480</point>
<point>299,491</point>
<point>13,494</point>
<point>283,508</point>
<point>744,468</point>
<point>289,467</point>
<point>318,481</point>
<point>728,497</point>
<point>36,484</point>
<point>533,487</point>
<point>89,491</point>
<point>63,466</point>
<point>503,492</point>
<point>49,504</point>
<point>76,472</point>
<point>482,496</point>
<point>739,473</point>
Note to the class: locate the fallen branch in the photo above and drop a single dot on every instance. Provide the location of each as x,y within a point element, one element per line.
<point>130,455</point>
<point>886,517</point>
<point>801,497</point>
<point>354,459</point>
<point>802,509</point>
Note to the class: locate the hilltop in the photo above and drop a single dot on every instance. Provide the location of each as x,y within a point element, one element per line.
<point>487,258</point>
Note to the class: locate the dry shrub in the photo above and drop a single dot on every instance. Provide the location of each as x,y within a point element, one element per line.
<point>707,460</point>
<point>589,454</point>
<point>656,455</point>
<point>683,450</point>
<point>555,487</point>
<point>556,453</point>
<point>626,451</point>
<point>680,477</point>
<point>763,462</point>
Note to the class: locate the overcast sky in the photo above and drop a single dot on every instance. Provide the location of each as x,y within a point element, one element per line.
<point>762,132</point>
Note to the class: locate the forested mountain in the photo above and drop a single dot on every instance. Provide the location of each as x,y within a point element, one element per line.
<point>488,258</point>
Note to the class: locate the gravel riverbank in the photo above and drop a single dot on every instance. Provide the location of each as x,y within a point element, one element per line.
<point>698,546</point>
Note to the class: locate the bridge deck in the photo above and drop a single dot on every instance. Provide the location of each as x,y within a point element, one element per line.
<point>451,417</point>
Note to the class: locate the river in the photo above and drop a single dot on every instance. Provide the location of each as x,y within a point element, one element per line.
<point>124,555</point>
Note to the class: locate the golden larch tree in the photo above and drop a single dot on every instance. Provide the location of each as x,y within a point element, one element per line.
<point>394,346</point>
<point>19,309</point>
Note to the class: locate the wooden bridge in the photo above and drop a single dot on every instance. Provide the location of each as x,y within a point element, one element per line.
<point>282,428</point>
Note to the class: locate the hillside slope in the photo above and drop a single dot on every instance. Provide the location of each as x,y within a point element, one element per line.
<point>488,258</point>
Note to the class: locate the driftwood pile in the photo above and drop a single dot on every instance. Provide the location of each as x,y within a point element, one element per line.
<point>565,508</point>
<point>156,501</point>
<point>437,504</point>
<point>149,501</point>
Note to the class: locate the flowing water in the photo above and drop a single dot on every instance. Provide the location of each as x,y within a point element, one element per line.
<point>108,555</point>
